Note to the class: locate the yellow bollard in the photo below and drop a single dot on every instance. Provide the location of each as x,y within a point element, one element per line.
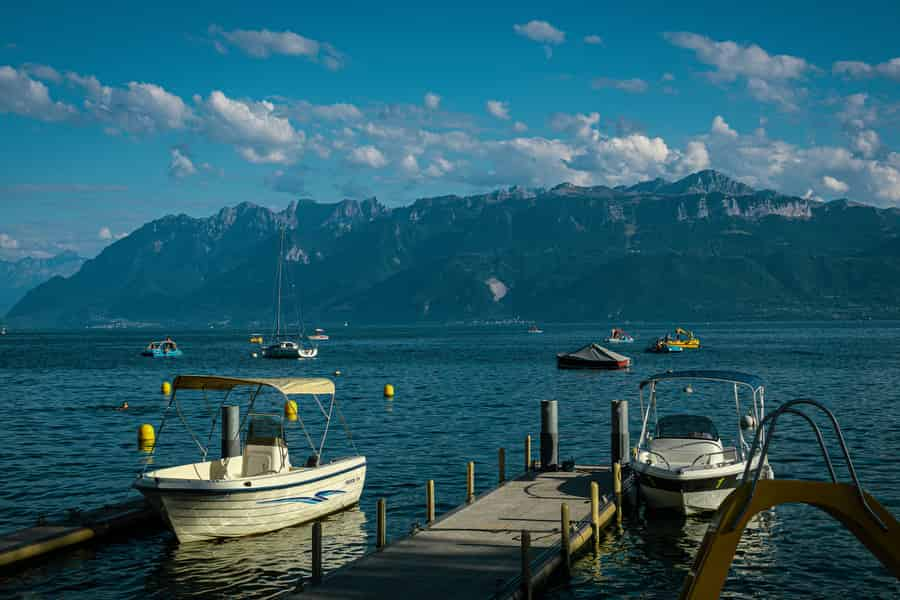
<point>565,540</point>
<point>429,501</point>
<point>388,390</point>
<point>166,388</point>
<point>617,488</point>
<point>290,410</point>
<point>470,482</point>
<point>595,516</point>
<point>146,437</point>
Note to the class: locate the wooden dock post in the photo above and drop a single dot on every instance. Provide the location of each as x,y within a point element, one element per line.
<point>317,552</point>
<point>470,482</point>
<point>565,540</point>
<point>380,524</point>
<point>595,517</point>
<point>527,453</point>
<point>617,488</point>
<point>525,583</point>
<point>501,466</point>
<point>429,501</point>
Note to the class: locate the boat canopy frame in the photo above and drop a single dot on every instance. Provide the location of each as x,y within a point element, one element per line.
<point>739,380</point>
<point>286,386</point>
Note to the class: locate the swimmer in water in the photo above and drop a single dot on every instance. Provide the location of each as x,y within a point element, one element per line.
<point>124,406</point>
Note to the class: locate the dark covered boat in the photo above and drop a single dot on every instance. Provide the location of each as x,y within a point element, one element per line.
<point>592,356</point>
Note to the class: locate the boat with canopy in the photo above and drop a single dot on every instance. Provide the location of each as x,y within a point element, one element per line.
<point>254,488</point>
<point>683,339</point>
<point>592,356</point>
<point>681,461</point>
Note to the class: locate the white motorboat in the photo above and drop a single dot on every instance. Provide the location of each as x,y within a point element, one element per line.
<point>258,489</point>
<point>681,461</point>
<point>318,335</point>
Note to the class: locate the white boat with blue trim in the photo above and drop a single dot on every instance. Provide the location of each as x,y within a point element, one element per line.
<point>258,489</point>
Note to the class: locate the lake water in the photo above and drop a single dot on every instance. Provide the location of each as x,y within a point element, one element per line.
<point>461,393</point>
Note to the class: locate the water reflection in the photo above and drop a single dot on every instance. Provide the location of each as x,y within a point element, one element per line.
<point>263,566</point>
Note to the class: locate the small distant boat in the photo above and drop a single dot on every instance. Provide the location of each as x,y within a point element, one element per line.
<point>535,329</point>
<point>318,335</point>
<point>592,356</point>
<point>618,336</point>
<point>164,349</point>
<point>662,346</point>
<point>2,330</point>
<point>684,339</point>
<point>256,338</point>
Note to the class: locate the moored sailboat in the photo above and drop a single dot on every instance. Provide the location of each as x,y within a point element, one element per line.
<point>285,348</point>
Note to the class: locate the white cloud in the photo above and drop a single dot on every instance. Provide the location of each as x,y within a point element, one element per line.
<point>867,142</point>
<point>732,59</point>
<point>498,109</point>
<point>769,77</point>
<point>440,167</point>
<point>24,96</point>
<point>105,233</point>
<point>8,243</point>
<point>410,165</point>
<point>520,127</point>
<point>720,127</point>
<point>540,31</point>
<point>835,185</point>
<point>262,43</point>
<point>368,156</point>
<point>633,86</point>
<point>341,111</point>
<point>45,72</point>
<point>180,164</point>
<point>432,101</point>
<point>858,70</point>
<point>136,108</point>
<point>624,159</point>
<point>593,40</point>
<point>261,134</point>
<point>695,158</point>
<point>581,125</point>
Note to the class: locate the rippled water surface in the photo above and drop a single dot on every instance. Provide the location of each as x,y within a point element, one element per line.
<point>462,393</point>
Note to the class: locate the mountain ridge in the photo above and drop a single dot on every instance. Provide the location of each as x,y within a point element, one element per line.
<point>710,245</point>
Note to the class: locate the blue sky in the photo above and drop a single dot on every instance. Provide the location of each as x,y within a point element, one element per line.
<point>111,116</point>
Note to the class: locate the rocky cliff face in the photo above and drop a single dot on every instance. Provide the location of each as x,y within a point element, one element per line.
<point>704,245</point>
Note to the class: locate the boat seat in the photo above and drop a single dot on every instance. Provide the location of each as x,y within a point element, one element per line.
<point>225,468</point>
<point>265,458</point>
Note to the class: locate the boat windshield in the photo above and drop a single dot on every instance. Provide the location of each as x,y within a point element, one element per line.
<point>686,427</point>
<point>264,430</point>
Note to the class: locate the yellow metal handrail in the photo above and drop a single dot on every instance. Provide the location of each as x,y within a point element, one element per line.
<point>840,500</point>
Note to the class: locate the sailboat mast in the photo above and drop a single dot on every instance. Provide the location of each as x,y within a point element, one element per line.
<point>278,302</point>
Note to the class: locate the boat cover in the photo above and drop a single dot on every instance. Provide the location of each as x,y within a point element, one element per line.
<point>595,353</point>
<point>285,385</point>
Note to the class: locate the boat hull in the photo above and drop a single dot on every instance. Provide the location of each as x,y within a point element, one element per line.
<point>161,354</point>
<point>568,363</point>
<point>696,494</point>
<point>199,510</point>
<point>692,344</point>
<point>290,353</point>
<point>628,340</point>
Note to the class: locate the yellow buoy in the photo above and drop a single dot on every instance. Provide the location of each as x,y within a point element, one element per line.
<point>290,410</point>
<point>166,388</point>
<point>146,437</point>
<point>388,390</point>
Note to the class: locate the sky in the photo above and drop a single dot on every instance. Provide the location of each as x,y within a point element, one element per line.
<point>112,115</point>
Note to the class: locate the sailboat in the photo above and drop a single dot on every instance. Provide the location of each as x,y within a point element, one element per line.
<point>285,348</point>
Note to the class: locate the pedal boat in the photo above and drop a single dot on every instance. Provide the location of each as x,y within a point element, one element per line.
<point>163,349</point>
<point>259,489</point>
<point>681,461</point>
<point>683,339</point>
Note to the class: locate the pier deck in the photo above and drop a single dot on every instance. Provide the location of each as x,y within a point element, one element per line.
<point>475,550</point>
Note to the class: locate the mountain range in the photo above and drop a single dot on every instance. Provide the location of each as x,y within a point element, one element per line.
<point>704,247</point>
<point>18,277</point>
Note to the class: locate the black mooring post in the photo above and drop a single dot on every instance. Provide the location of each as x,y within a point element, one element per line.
<point>549,434</point>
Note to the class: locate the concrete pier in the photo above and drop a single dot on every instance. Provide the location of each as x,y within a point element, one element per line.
<point>475,551</point>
